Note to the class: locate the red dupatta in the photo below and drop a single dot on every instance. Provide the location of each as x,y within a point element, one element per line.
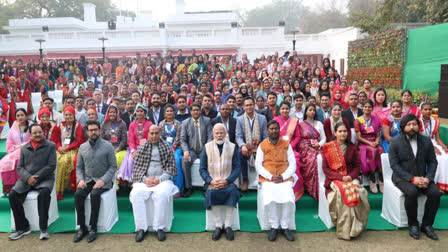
<point>336,161</point>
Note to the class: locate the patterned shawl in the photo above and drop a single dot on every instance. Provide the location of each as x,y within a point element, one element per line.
<point>334,153</point>
<point>143,158</point>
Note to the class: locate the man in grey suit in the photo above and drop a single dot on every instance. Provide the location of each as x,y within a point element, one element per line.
<point>251,129</point>
<point>36,170</point>
<point>95,171</point>
<point>196,132</point>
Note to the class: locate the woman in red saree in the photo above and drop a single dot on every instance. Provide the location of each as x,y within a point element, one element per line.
<point>290,131</point>
<point>408,108</point>
<point>312,137</point>
<point>347,199</point>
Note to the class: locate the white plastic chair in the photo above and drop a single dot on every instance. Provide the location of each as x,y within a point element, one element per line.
<point>169,216</point>
<point>324,212</point>
<point>263,219</point>
<point>31,211</point>
<point>108,214</point>
<point>210,222</point>
<point>393,199</point>
<point>196,179</point>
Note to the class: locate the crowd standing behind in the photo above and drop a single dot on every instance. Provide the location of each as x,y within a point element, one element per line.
<point>185,97</point>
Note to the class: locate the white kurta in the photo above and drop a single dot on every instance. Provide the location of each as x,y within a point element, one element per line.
<point>160,194</point>
<point>278,199</point>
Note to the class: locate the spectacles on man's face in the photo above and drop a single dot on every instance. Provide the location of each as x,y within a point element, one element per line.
<point>93,130</point>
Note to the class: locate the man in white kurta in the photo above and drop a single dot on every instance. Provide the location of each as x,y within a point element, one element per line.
<point>152,180</point>
<point>275,164</point>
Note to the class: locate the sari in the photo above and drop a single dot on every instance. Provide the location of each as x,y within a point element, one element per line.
<point>431,129</point>
<point>66,172</point>
<point>8,164</point>
<point>290,131</point>
<point>412,110</point>
<point>381,112</point>
<point>347,200</point>
<point>394,130</point>
<point>370,156</point>
<point>308,158</point>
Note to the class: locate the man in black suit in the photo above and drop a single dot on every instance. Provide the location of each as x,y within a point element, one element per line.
<point>272,110</point>
<point>126,116</point>
<point>99,105</point>
<point>414,164</point>
<point>156,113</point>
<point>353,111</point>
<point>228,121</point>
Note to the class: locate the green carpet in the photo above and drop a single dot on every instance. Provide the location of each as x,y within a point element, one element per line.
<point>189,215</point>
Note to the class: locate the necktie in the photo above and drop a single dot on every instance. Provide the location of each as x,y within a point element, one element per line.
<point>98,109</point>
<point>198,141</point>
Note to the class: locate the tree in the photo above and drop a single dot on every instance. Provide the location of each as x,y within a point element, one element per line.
<point>378,15</point>
<point>105,10</point>
<point>279,10</point>
<point>295,14</point>
<point>436,11</point>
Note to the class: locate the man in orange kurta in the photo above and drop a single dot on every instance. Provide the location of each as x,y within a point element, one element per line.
<point>276,164</point>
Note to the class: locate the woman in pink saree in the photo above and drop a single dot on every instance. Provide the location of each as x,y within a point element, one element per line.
<point>289,130</point>
<point>368,129</point>
<point>312,138</point>
<point>18,136</point>
<point>380,109</point>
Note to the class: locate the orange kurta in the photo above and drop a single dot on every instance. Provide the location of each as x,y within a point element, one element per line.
<point>275,158</point>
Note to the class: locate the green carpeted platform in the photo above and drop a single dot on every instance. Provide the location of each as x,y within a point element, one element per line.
<point>189,215</point>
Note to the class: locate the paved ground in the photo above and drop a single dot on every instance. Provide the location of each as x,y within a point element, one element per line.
<point>377,241</point>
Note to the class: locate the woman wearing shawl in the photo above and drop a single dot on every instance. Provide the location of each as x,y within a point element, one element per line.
<point>312,137</point>
<point>368,129</point>
<point>18,136</point>
<point>290,131</point>
<point>51,131</point>
<point>137,135</point>
<point>114,130</point>
<point>336,96</point>
<point>330,122</point>
<point>430,128</point>
<point>347,199</point>
<point>170,131</point>
<point>391,125</point>
<point>72,136</point>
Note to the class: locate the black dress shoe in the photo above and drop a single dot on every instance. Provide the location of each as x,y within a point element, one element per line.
<point>229,234</point>
<point>140,235</point>
<point>429,231</point>
<point>289,236</point>
<point>92,236</point>
<point>161,235</point>
<point>81,233</point>
<point>273,234</point>
<point>414,232</point>
<point>187,192</point>
<point>217,234</point>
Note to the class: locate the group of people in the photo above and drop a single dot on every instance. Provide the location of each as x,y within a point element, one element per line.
<point>146,123</point>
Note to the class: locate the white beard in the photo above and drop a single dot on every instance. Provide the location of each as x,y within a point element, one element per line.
<point>220,142</point>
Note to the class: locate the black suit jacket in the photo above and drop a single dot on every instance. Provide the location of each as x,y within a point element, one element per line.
<point>161,115</point>
<point>405,165</point>
<point>268,113</point>
<point>125,117</point>
<point>232,127</point>
<point>347,114</point>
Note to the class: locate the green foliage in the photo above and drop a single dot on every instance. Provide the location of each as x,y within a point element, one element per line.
<point>379,14</point>
<point>379,58</point>
<point>105,9</point>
